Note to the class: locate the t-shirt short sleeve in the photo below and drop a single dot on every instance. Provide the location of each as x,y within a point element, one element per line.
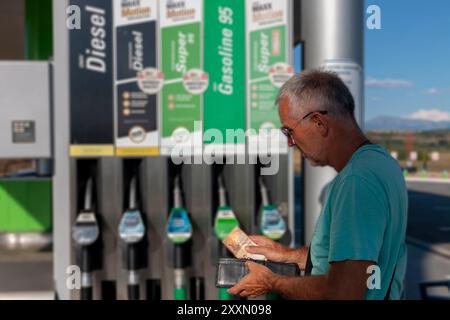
<point>359,215</point>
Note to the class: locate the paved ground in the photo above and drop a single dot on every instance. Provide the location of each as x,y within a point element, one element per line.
<point>425,265</point>
<point>428,235</point>
<point>429,215</point>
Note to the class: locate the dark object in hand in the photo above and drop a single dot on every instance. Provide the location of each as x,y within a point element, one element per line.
<point>230,271</point>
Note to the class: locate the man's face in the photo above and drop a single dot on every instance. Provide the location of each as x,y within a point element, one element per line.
<point>304,134</point>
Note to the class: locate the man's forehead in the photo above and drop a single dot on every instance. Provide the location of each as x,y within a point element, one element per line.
<point>284,105</point>
<point>283,101</point>
<point>284,111</point>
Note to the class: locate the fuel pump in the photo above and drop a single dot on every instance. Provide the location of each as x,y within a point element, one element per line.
<point>85,233</point>
<point>179,231</point>
<point>131,231</point>
<point>224,222</point>
<point>272,225</point>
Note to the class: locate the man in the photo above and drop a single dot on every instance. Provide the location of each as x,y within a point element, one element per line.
<point>361,230</point>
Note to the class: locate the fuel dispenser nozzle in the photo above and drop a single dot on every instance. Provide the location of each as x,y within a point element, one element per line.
<point>272,224</point>
<point>179,231</point>
<point>85,233</point>
<point>224,222</point>
<point>132,231</point>
<point>225,219</point>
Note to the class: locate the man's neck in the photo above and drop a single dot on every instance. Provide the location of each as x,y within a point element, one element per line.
<point>347,143</point>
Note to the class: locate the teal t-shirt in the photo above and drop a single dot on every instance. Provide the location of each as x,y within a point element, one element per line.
<point>364,218</point>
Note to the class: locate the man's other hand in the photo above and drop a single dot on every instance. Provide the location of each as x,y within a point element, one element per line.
<point>257,282</point>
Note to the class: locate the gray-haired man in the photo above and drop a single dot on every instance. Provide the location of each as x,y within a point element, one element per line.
<point>363,220</point>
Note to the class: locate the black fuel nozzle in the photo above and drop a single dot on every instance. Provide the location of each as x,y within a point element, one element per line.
<point>132,231</point>
<point>85,233</point>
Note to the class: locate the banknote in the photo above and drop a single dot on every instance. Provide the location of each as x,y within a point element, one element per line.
<point>236,241</point>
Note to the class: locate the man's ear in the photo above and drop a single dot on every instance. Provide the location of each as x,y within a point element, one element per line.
<point>321,123</point>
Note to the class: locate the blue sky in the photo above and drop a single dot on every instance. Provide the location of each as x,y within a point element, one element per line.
<point>407,62</point>
<point>412,47</point>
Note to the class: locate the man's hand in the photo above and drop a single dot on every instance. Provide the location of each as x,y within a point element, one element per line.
<point>276,252</point>
<point>270,249</point>
<point>257,282</point>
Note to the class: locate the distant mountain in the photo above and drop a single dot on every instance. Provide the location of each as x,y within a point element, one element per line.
<point>385,123</point>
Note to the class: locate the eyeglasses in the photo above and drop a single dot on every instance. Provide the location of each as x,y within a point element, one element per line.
<point>288,131</point>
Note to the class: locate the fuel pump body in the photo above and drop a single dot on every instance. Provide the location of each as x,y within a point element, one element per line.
<point>155,175</point>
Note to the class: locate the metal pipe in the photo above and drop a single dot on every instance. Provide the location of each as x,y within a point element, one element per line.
<point>177,200</point>
<point>332,32</point>
<point>222,192</point>
<point>88,195</point>
<point>133,195</point>
<point>264,192</point>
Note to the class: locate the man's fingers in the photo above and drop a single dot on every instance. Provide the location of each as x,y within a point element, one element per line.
<point>247,287</point>
<point>235,290</point>
<point>258,250</point>
<point>259,240</point>
<point>245,293</point>
<point>255,267</point>
<point>250,293</point>
<point>238,287</point>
